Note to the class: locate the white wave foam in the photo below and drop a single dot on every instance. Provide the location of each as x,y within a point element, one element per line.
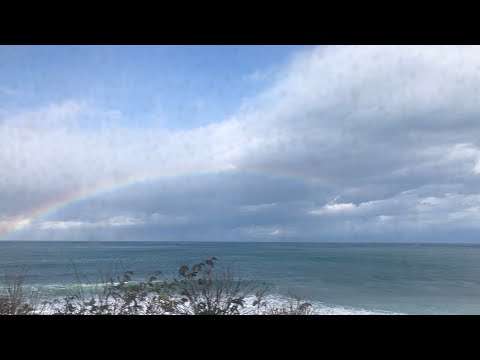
<point>277,302</point>
<point>318,308</point>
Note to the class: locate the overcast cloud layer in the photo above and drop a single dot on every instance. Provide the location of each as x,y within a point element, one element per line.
<point>371,143</point>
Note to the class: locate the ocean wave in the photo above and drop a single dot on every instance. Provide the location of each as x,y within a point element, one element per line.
<point>60,291</point>
<point>319,308</point>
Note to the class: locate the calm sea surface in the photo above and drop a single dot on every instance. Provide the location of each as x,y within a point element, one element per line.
<point>339,278</point>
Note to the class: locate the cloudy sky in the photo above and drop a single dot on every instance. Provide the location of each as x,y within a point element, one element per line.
<point>240,143</point>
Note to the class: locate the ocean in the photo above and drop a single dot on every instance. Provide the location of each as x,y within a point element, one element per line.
<point>337,278</point>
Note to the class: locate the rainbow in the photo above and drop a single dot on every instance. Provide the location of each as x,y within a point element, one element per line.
<point>80,194</point>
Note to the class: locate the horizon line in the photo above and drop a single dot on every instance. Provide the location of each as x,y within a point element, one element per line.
<point>249,241</point>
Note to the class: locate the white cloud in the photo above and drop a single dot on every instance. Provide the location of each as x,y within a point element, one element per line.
<point>476,168</point>
<point>370,122</point>
<point>162,219</point>
<point>114,221</point>
<point>47,225</point>
<point>384,218</point>
<point>48,118</point>
<point>334,208</point>
<point>409,210</point>
<point>123,221</point>
<point>325,110</point>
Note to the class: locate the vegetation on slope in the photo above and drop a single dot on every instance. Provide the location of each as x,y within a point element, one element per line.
<point>200,289</point>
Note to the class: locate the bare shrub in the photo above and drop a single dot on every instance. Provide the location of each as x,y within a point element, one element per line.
<point>205,292</point>
<point>201,289</point>
<point>15,298</point>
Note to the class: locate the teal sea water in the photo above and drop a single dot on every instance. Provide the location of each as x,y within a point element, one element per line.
<point>338,278</point>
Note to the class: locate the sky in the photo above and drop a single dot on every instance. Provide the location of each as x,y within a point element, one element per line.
<point>240,143</point>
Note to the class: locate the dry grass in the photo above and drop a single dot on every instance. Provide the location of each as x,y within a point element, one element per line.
<point>201,289</point>
<point>15,299</point>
